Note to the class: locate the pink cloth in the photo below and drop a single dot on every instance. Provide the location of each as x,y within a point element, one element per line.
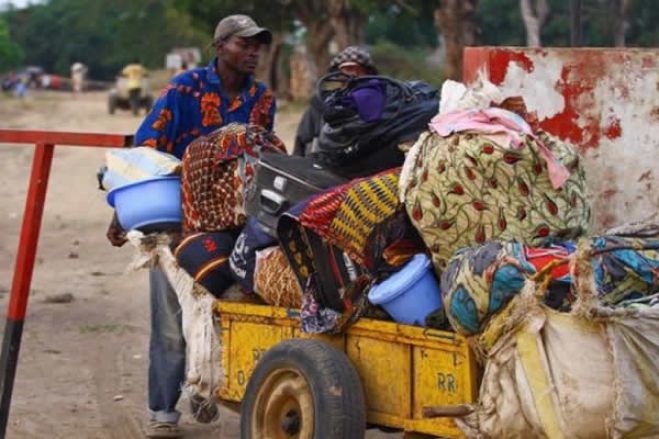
<point>498,122</point>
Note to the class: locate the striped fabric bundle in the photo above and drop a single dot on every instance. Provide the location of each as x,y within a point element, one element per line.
<point>347,216</point>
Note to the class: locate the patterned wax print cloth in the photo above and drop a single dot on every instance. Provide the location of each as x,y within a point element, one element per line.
<point>503,127</point>
<point>274,279</point>
<point>358,218</point>
<point>479,281</point>
<point>194,104</point>
<point>466,189</point>
<point>343,239</point>
<point>217,170</point>
<point>625,268</point>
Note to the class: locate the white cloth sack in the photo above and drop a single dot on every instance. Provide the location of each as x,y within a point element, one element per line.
<point>592,373</point>
<point>203,348</point>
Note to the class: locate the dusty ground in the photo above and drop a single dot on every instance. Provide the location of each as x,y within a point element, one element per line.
<point>82,368</point>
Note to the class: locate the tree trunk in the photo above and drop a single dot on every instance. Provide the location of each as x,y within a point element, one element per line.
<point>338,18</point>
<point>267,70</point>
<point>348,23</point>
<point>357,28</point>
<point>534,14</point>
<point>282,74</point>
<point>575,23</point>
<point>319,35</point>
<point>619,10</point>
<point>455,20</point>
<point>312,14</point>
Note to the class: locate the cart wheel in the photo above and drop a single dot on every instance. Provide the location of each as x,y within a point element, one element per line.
<point>303,389</point>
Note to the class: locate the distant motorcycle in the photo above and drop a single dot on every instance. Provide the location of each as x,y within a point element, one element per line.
<point>134,99</point>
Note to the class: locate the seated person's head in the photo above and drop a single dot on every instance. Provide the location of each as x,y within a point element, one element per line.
<point>353,61</point>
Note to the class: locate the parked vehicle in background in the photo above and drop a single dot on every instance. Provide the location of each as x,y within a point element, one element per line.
<point>133,99</point>
<point>33,75</point>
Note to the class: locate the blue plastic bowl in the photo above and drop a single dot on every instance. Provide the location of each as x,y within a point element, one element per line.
<point>410,294</point>
<point>148,203</point>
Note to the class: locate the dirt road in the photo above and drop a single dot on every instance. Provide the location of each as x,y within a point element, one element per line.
<point>82,368</point>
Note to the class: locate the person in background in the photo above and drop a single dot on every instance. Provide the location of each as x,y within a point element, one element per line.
<point>134,74</point>
<point>195,103</point>
<point>183,68</point>
<point>20,89</point>
<point>353,61</point>
<point>9,82</point>
<point>78,73</point>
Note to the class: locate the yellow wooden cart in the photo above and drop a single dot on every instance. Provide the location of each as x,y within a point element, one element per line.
<point>294,385</point>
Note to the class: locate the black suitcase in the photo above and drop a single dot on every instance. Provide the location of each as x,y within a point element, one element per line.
<point>281,182</point>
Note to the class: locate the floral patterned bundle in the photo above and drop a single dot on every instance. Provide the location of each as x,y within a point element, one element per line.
<point>465,189</point>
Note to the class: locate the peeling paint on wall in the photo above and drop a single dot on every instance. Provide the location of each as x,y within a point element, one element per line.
<point>605,101</point>
<point>538,85</point>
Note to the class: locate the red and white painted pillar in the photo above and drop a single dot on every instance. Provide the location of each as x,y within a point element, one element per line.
<point>605,101</point>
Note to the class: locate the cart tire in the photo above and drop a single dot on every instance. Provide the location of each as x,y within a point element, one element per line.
<point>303,389</point>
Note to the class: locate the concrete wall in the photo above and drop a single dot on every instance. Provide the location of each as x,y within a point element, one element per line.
<point>605,101</point>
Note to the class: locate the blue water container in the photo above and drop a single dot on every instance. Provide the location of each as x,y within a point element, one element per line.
<point>410,294</point>
<point>148,204</point>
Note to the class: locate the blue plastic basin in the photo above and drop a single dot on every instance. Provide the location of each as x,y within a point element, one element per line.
<point>410,294</point>
<point>146,203</point>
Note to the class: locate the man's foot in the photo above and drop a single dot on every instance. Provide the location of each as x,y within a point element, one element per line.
<point>163,430</point>
<point>203,410</point>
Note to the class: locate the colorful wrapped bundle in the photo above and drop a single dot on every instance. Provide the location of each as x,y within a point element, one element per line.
<point>274,279</point>
<point>217,170</point>
<point>463,188</point>
<point>478,282</point>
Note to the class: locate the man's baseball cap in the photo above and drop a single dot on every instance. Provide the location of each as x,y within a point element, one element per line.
<point>241,26</point>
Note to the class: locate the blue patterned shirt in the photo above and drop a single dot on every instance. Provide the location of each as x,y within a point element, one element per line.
<point>194,104</point>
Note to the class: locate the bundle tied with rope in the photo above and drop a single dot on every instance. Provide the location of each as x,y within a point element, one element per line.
<point>531,385</point>
<point>204,372</point>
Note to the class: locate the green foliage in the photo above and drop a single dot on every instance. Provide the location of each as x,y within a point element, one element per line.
<point>403,27</point>
<point>501,23</point>
<point>107,34</point>
<point>643,24</point>
<point>11,54</point>
<point>273,14</point>
<point>405,63</point>
<point>103,34</point>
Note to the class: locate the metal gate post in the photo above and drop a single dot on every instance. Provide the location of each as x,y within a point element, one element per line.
<point>20,288</point>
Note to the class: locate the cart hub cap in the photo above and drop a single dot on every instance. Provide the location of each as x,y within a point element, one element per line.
<point>284,407</point>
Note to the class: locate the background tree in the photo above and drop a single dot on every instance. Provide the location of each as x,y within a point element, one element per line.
<point>619,11</point>
<point>534,14</point>
<point>319,31</point>
<point>456,22</point>
<point>403,35</point>
<point>349,21</point>
<point>11,54</point>
<point>103,34</point>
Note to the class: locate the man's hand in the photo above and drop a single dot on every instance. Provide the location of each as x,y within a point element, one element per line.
<point>116,234</point>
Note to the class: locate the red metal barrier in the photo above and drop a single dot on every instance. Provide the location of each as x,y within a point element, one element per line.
<point>44,142</point>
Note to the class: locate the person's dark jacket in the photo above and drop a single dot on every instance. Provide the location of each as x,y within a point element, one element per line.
<point>309,128</point>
